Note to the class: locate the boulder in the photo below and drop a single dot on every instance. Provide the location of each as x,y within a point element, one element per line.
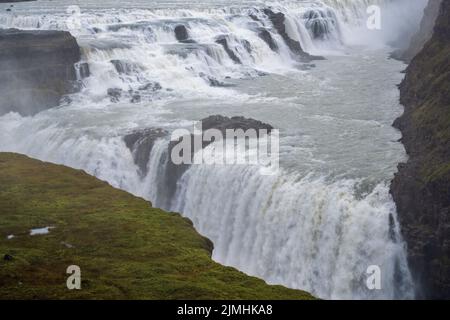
<point>151,86</point>
<point>36,69</point>
<point>114,94</point>
<point>182,34</point>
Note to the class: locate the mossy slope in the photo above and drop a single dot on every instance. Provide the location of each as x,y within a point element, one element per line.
<point>125,248</point>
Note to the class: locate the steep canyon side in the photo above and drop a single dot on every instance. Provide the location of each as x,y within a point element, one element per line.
<point>421,189</point>
<point>36,69</point>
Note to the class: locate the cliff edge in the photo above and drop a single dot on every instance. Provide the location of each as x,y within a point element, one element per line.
<point>52,217</point>
<point>421,189</point>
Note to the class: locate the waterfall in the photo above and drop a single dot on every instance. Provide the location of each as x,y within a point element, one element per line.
<point>307,231</point>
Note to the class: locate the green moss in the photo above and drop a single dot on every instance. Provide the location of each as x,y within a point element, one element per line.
<point>427,88</point>
<point>125,248</point>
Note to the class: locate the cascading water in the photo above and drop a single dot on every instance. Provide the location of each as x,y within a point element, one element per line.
<point>326,215</point>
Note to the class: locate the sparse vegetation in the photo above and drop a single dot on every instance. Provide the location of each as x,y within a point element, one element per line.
<point>125,248</point>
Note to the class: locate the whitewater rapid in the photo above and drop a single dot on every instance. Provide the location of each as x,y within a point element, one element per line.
<point>319,222</point>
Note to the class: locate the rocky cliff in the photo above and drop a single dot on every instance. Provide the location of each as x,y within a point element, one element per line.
<point>423,35</point>
<point>421,189</point>
<point>36,69</point>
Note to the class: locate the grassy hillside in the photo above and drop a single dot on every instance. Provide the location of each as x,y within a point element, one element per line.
<point>125,248</point>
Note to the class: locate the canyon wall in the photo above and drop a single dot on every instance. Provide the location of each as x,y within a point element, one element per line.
<point>421,189</point>
<point>36,69</point>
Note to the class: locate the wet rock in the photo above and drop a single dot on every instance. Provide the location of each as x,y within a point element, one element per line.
<point>265,35</point>
<point>114,94</point>
<point>222,40</point>
<point>126,67</point>
<point>221,123</point>
<point>151,86</point>
<point>134,26</point>
<point>278,21</point>
<point>319,23</point>
<point>253,17</point>
<point>306,66</point>
<point>118,66</point>
<point>135,98</point>
<point>247,45</point>
<point>105,44</point>
<point>216,83</point>
<point>84,70</point>
<point>141,144</point>
<point>36,69</point>
<point>213,82</point>
<point>182,34</point>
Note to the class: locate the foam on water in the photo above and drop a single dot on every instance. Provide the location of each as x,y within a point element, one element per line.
<point>307,228</point>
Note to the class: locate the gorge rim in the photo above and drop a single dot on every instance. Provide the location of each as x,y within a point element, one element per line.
<point>313,81</point>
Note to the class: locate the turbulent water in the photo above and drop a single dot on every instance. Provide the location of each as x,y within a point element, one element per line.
<point>327,215</point>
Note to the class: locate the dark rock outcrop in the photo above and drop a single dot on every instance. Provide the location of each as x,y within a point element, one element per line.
<point>214,82</point>
<point>221,123</point>
<point>320,23</point>
<point>425,32</point>
<point>182,34</point>
<point>151,86</point>
<point>222,40</point>
<point>421,188</point>
<point>265,35</point>
<point>84,70</point>
<point>278,20</point>
<point>36,69</point>
<point>114,94</point>
<point>141,144</point>
<point>135,97</point>
<point>126,67</point>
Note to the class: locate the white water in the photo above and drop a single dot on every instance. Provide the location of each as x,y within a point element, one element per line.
<point>40,231</point>
<point>320,222</point>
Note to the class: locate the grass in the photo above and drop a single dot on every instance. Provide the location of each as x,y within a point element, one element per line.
<point>125,248</point>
